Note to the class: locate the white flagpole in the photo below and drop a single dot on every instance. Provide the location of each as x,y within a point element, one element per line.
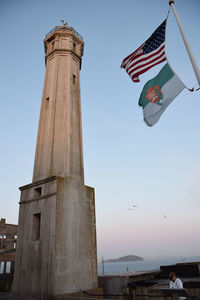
<point>192,59</point>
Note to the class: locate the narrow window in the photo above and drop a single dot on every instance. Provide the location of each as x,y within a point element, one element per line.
<point>52,45</point>
<point>36,227</point>
<point>38,191</point>
<point>74,79</point>
<point>14,245</point>
<point>74,47</point>
<point>2,240</point>
<point>8,267</point>
<point>46,103</point>
<point>2,267</point>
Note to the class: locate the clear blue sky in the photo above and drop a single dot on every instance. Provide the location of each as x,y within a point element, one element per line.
<point>126,162</point>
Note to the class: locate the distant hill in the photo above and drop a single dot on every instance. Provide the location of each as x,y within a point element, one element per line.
<point>125,258</point>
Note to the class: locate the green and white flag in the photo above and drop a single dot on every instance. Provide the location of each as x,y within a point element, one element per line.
<point>158,93</point>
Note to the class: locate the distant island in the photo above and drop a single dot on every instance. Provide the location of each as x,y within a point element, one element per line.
<point>125,258</point>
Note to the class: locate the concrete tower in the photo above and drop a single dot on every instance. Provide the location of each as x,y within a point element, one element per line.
<point>56,250</point>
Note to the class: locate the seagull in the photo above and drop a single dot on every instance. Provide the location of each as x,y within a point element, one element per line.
<point>131,208</point>
<point>64,23</point>
<point>165,217</point>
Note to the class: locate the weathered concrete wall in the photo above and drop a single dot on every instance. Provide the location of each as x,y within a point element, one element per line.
<point>59,143</point>
<point>76,261</point>
<point>63,260</point>
<point>35,259</point>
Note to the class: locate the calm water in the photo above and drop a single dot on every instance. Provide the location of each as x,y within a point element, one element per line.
<point>145,265</point>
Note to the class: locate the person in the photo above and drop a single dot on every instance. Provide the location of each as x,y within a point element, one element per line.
<point>175,283</point>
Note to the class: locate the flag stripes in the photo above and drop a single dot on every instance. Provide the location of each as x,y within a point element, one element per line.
<point>139,62</point>
<point>148,55</point>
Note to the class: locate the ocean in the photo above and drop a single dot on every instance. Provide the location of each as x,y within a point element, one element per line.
<point>147,264</point>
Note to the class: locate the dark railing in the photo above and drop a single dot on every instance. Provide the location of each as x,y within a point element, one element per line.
<point>132,296</point>
<point>64,28</point>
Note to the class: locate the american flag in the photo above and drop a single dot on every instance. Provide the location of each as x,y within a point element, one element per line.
<point>149,54</point>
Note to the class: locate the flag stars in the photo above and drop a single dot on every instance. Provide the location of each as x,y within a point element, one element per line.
<point>149,54</point>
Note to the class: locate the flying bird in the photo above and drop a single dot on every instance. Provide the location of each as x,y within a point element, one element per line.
<point>133,206</point>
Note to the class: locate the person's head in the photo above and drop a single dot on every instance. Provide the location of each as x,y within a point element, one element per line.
<point>172,276</point>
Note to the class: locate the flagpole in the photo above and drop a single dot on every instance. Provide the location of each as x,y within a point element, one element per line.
<point>191,56</point>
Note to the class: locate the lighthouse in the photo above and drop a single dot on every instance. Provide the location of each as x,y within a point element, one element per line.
<point>56,251</point>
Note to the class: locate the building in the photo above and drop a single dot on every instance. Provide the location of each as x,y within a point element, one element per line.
<point>8,240</point>
<point>56,252</point>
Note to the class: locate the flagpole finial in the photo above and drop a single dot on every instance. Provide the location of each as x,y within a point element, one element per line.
<point>171,2</point>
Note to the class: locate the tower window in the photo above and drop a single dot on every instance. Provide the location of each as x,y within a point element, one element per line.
<point>74,47</point>
<point>52,45</point>
<point>38,192</point>
<point>36,227</point>
<point>46,102</point>
<point>74,79</point>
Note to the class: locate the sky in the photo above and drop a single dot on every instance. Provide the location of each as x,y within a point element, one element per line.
<point>128,163</point>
